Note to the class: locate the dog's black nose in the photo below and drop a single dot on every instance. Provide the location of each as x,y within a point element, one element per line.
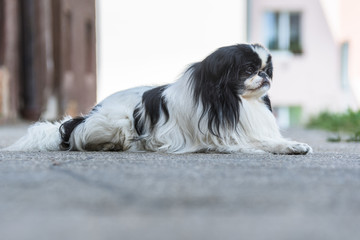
<point>263,74</point>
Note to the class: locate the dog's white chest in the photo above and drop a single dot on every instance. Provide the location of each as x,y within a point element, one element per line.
<point>257,119</point>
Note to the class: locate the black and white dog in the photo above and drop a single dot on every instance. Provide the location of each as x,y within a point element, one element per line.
<point>219,104</point>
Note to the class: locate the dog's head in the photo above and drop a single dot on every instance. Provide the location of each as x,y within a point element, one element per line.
<point>246,68</point>
<point>227,75</point>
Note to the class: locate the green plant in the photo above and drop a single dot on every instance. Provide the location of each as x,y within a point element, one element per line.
<point>338,123</point>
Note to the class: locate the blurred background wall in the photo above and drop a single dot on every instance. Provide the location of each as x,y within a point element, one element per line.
<point>152,42</point>
<point>316,50</point>
<point>47,58</point>
<point>49,62</point>
<point>315,46</point>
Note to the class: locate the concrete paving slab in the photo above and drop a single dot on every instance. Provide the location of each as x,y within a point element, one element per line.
<point>97,195</point>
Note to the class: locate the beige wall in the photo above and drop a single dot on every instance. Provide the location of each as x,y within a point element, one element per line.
<point>9,59</point>
<point>47,58</point>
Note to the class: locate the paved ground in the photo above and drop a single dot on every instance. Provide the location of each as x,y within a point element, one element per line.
<point>72,195</point>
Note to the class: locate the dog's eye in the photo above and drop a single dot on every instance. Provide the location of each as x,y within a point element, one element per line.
<point>250,70</point>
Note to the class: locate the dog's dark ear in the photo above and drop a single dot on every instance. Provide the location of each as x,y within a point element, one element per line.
<point>212,89</point>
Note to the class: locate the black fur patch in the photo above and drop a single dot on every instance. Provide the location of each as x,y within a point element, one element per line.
<point>66,129</point>
<point>96,108</point>
<point>267,102</point>
<point>139,126</point>
<point>218,81</point>
<point>154,103</point>
<point>269,67</point>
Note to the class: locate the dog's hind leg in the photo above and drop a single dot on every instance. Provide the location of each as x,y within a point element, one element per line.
<point>110,126</point>
<point>102,132</point>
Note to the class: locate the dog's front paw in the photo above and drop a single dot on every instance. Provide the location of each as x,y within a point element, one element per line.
<point>296,148</point>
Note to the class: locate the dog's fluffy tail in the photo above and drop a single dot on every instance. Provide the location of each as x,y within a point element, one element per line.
<point>43,136</point>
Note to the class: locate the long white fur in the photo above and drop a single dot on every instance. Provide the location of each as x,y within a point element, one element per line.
<point>41,136</point>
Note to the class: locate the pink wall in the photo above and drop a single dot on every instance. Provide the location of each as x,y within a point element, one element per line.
<point>350,30</point>
<point>311,80</point>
